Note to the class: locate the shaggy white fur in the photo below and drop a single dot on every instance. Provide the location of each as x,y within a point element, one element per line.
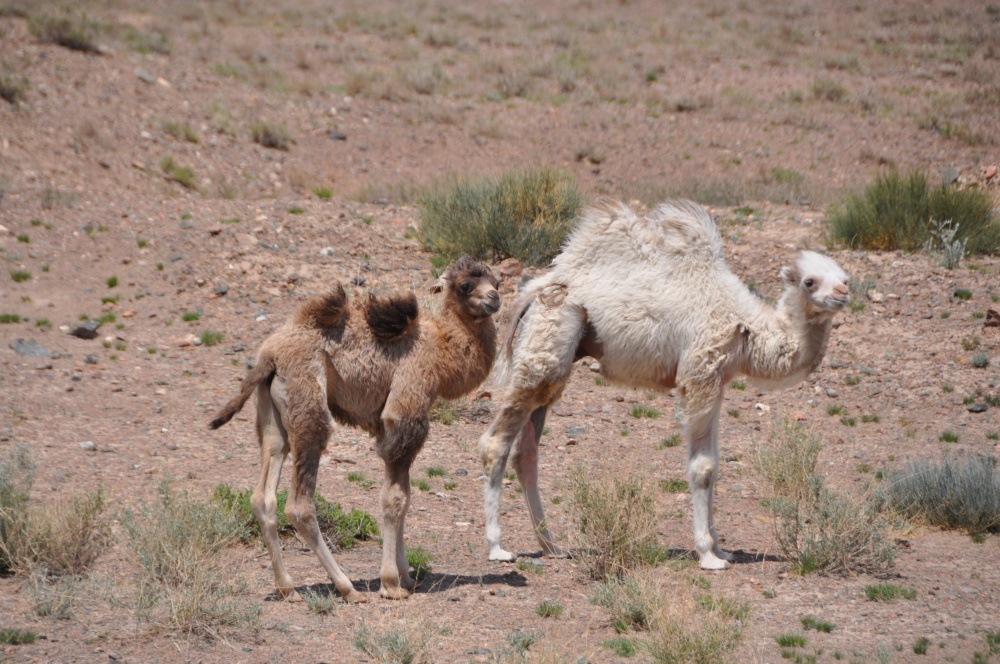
<point>653,300</point>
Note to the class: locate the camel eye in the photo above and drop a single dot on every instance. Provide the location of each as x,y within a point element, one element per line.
<point>809,283</point>
<point>465,288</point>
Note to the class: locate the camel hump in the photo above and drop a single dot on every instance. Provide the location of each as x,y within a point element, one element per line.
<point>691,225</point>
<point>391,317</point>
<point>326,310</point>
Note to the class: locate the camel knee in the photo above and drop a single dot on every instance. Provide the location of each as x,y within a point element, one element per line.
<point>395,501</point>
<point>701,473</point>
<point>302,514</point>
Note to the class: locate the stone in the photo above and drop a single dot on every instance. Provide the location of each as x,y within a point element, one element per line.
<point>337,135</point>
<point>144,75</point>
<point>576,430</point>
<point>91,358</point>
<point>461,472</point>
<point>221,290</point>
<point>30,348</point>
<point>358,280</point>
<point>949,175</point>
<point>86,330</point>
<point>978,407</point>
<point>88,446</point>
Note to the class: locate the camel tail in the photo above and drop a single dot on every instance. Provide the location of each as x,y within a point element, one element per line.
<point>259,374</point>
<point>505,358</point>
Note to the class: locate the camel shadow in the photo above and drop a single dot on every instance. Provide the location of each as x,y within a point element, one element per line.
<point>431,583</point>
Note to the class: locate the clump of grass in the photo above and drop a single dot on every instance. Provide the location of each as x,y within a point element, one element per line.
<point>816,527</point>
<point>12,87</point>
<point>420,484</point>
<point>189,316</point>
<point>111,281</point>
<point>886,592</point>
<point>520,214</point>
<point>79,33</point>
<point>20,275</point>
<point>10,318</point>
<point>181,130</point>
<point>187,580</point>
<point>963,494</point>
<point>895,212</point>
<point>962,294</point>
<point>182,175</point>
<point>828,89</point>
<point>640,411</point>
<point>419,560</point>
<point>672,441</point>
<point>271,135</point>
<point>413,645</point>
<point>211,337</point>
<point>920,646</point>
<point>621,646</point>
<point>48,540</point>
<point>320,603</point>
<point>360,479</point>
<point>13,636</point>
<point>295,209</point>
<point>340,529</point>
<point>834,410</point>
<point>437,471</point>
<point>549,609</point>
<point>948,437</point>
<point>808,622</point>
<point>674,486</point>
<point>614,521</point>
<point>869,418</point>
<point>530,566</point>
<point>791,640</point>
<point>324,193</point>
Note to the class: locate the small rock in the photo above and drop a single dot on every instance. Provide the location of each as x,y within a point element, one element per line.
<point>221,290</point>
<point>337,135</point>
<point>595,367</point>
<point>978,407</point>
<point>30,348</point>
<point>571,442</point>
<point>576,430</point>
<point>497,592</point>
<point>454,598</point>
<point>327,251</point>
<point>762,407</point>
<point>875,296</point>
<point>144,75</point>
<point>43,365</point>
<point>88,446</point>
<point>91,358</point>
<point>832,393</point>
<point>187,225</point>
<point>461,472</point>
<point>358,280</point>
<point>294,278</point>
<point>86,329</point>
<point>949,175</point>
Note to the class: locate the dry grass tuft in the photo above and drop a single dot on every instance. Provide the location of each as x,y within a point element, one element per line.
<point>962,494</point>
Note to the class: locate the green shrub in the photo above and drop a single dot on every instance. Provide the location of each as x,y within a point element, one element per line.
<point>520,214</point>
<point>791,640</point>
<point>963,494</point>
<point>20,275</point>
<point>324,193</point>
<point>79,33</point>
<point>211,337</point>
<point>817,528</point>
<point>271,135</point>
<point>189,316</point>
<point>181,130</point>
<point>186,576</point>
<point>895,212</point>
<point>182,175</point>
<point>614,519</point>
<point>12,87</point>
<point>419,560</point>
<point>674,486</point>
<point>339,528</point>
<point>920,646</point>
<point>16,637</point>
<point>10,318</point>
<point>548,609</point>
<point>639,411</point>
<point>620,646</point>
<point>808,622</point>
<point>886,592</point>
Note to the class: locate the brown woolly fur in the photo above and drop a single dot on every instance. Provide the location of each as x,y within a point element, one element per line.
<point>651,298</point>
<point>334,359</point>
<point>328,310</point>
<point>391,317</point>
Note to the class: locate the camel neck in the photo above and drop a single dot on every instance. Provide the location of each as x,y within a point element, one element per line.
<point>790,343</point>
<point>468,347</point>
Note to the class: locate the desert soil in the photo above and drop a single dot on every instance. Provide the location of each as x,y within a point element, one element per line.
<point>778,108</point>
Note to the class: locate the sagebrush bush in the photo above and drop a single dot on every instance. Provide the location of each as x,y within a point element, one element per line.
<point>79,33</point>
<point>817,528</point>
<point>410,645</point>
<point>271,135</point>
<point>895,212</point>
<point>962,494</point>
<point>187,571</point>
<point>340,529</point>
<point>62,538</point>
<point>614,520</point>
<point>520,214</point>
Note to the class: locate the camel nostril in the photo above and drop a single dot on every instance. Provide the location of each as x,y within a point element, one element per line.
<point>841,289</point>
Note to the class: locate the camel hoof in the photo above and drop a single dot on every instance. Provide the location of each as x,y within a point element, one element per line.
<point>502,555</point>
<point>395,592</point>
<point>355,597</point>
<point>709,561</point>
<point>290,594</point>
<point>407,583</point>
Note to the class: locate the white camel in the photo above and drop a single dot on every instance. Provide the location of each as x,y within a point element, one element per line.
<point>652,299</point>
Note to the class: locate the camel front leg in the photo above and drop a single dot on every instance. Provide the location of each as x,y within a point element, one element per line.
<point>395,573</point>
<point>701,431</point>
<point>526,464</point>
<point>494,448</point>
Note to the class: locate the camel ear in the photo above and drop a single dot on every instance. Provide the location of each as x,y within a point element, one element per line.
<point>439,285</point>
<point>790,274</point>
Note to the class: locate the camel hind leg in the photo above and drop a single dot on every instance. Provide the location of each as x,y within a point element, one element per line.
<point>308,428</point>
<point>525,461</point>
<point>274,447</point>
<point>540,369</point>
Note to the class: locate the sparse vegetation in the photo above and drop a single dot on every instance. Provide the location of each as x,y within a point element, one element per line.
<point>211,337</point>
<point>674,486</point>
<point>182,175</point>
<point>808,622</point>
<point>549,609</point>
<point>963,494</point>
<point>409,646</point>
<point>15,637</point>
<point>672,441</point>
<point>521,214</point>
<point>339,528</point>
<point>791,640</point>
<point>614,520</point>
<point>324,193</point>
<point>817,528</point>
<point>189,316</point>
<point>920,646</point>
<point>187,580</point>
<point>10,318</point>
<point>640,411</point>
<point>12,86</point>
<point>886,592</point>
<point>270,135</point>
<point>948,437</point>
<point>181,130</point>
<point>420,484</point>
<point>77,32</point>
<point>20,275</point>
<point>419,561</point>
<point>895,212</point>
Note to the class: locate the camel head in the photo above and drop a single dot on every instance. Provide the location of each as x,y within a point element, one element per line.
<point>472,284</point>
<point>820,282</point>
